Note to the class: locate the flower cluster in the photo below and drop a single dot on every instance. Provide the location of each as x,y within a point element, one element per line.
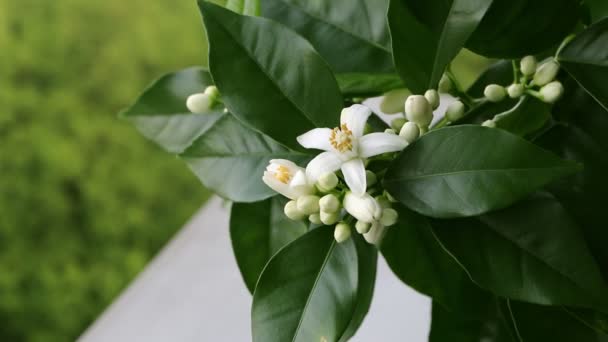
<point>335,188</point>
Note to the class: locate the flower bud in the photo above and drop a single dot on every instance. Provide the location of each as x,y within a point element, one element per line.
<point>432,96</point>
<point>291,211</point>
<point>398,123</point>
<point>552,92</point>
<point>362,227</point>
<point>315,218</point>
<point>495,93</point>
<point>370,178</point>
<point>515,90</point>
<point>528,65</point>
<point>341,232</point>
<point>455,111</point>
<point>362,207</point>
<point>327,181</point>
<point>389,217</point>
<point>375,234</point>
<point>546,73</point>
<point>329,218</point>
<point>409,132</point>
<point>308,204</point>
<point>445,84</point>
<point>418,110</point>
<point>212,92</point>
<point>199,103</point>
<point>390,131</point>
<point>329,204</point>
<point>489,123</point>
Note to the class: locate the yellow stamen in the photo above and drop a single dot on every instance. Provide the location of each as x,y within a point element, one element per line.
<point>341,138</point>
<point>282,174</point>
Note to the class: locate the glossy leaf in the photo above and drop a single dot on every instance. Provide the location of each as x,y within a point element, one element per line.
<point>160,112</point>
<point>417,258</point>
<point>307,291</point>
<point>527,116</point>
<point>426,36</point>
<point>469,170</point>
<point>269,77</point>
<point>586,59</point>
<point>532,251</point>
<point>246,7</point>
<point>360,84</point>
<point>230,158</point>
<point>515,28</point>
<point>258,230</point>
<point>351,35</point>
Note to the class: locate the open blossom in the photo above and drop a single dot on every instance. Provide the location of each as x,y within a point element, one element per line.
<point>346,148</point>
<point>288,179</point>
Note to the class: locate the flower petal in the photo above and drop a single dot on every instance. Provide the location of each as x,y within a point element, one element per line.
<point>355,118</point>
<point>323,163</point>
<point>374,144</point>
<point>279,186</point>
<point>354,175</point>
<point>375,234</point>
<point>317,138</point>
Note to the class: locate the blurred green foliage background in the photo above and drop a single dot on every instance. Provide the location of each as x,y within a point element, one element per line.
<point>85,201</point>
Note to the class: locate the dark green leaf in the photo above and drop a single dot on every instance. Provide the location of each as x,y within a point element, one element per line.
<point>258,230</point>
<point>247,7</point>
<point>500,73</point>
<point>230,158</point>
<point>160,112</point>
<point>351,35</point>
<point>514,28</point>
<point>415,255</point>
<point>527,116</point>
<point>586,59</point>
<point>469,170</point>
<point>427,35</point>
<point>532,251</point>
<point>268,76</point>
<point>359,84</point>
<point>599,9</point>
<point>307,291</point>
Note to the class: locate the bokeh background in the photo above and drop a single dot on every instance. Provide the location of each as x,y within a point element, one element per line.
<point>85,201</point>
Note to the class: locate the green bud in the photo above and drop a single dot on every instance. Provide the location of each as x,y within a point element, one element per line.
<point>212,92</point>
<point>200,103</point>
<point>409,132</point>
<point>390,131</point>
<point>432,96</point>
<point>398,123</point>
<point>455,111</point>
<point>545,73</point>
<point>515,90</point>
<point>329,218</point>
<point>315,218</point>
<point>329,204</point>
<point>308,204</point>
<point>370,178</point>
<point>489,123</point>
<point>389,217</point>
<point>341,232</point>
<point>327,181</point>
<point>495,93</point>
<point>445,84</point>
<point>418,110</point>
<point>551,92</point>
<point>362,227</point>
<point>291,211</point>
<point>528,65</point>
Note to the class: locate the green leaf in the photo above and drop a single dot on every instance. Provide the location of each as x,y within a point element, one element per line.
<point>160,112</point>
<point>532,251</point>
<point>360,84</point>
<point>246,7</point>
<point>469,170</point>
<point>268,76</point>
<point>258,230</point>
<point>586,59</point>
<point>514,28</point>
<point>527,116</point>
<point>351,35</point>
<point>307,291</point>
<point>426,36</point>
<point>230,158</point>
<point>417,258</point>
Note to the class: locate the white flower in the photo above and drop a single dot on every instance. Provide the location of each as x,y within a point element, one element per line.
<point>201,103</point>
<point>552,92</point>
<point>375,234</point>
<point>528,65</point>
<point>288,179</point>
<point>346,147</point>
<point>515,90</point>
<point>545,73</point>
<point>362,207</point>
<point>342,232</point>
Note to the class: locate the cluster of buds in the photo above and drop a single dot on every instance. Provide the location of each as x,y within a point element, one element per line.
<point>202,103</point>
<point>322,195</point>
<point>419,113</point>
